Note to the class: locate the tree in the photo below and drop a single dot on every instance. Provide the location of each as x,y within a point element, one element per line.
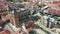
<point>10,0</point>
<point>41,5</point>
<point>41,13</point>
<point>57,19</point>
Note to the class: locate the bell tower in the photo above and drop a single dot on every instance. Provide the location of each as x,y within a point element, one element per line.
<point>13,15</point>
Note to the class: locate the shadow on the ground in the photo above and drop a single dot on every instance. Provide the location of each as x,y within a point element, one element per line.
<point>33,32</point>
<point>36,27</point>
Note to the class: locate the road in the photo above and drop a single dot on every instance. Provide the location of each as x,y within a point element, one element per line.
<point>39,31</point>
<point>42,32</point>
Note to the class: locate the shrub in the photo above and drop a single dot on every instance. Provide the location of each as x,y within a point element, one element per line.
<point>43,30</point>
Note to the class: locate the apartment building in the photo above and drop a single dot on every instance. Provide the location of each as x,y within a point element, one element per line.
<point>53,10</point>
<point>54,7</point>
<point>19,17</point>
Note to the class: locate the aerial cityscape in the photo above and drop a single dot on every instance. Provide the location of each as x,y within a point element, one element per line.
<point>29,16</point>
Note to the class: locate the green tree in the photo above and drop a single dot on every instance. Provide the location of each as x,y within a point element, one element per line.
<point>57,19</point>
<point>59,33</point>
<point>41,5</point>
<point>10,0</point>
<point>41,13</point>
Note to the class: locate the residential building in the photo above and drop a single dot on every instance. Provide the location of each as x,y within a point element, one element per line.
<point>22,0</point>
<point>54,7</point>
<point>45,21</point>
<point>19,17</point>
<point>54,11</point>
<point>4,32</point>
<point>48,21</point>
<point>1,29</point>
<point>4,13</point>
<point>3,5</point>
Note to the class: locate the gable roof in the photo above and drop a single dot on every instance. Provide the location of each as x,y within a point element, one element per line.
<point>4,32</point>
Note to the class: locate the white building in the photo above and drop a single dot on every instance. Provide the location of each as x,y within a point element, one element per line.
<point>45,20</point>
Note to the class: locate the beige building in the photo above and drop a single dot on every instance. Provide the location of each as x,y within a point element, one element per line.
<point>14,18</point>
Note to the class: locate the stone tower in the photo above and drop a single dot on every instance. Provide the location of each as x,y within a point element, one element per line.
<point>13,15</point>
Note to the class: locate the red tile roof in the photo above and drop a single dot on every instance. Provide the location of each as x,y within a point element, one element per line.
<point>5,18</point>
<point>3,4</point>
<point>29,24</point>
<point>54,7</point>
<point>1,21</point>
<point>2,0</point>
<point>1,29</point>
<point>30,29</point>
<point>19,31</point>
<point>54,11</point>
<point>4,32</point>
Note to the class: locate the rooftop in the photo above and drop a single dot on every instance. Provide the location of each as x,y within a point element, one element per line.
<point>3,5</point>
<point>4,32</point>
<point>54,7</point>
<point>54,11</point>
